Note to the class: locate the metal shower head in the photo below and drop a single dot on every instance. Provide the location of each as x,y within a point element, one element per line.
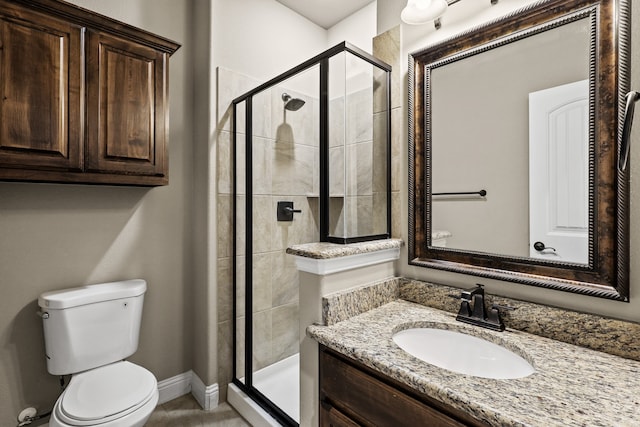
<point>292,104</point>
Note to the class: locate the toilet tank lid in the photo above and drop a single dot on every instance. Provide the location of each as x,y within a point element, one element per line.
<point>82,295</point>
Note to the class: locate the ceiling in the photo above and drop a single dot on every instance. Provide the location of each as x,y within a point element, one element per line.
<point>325,13</point>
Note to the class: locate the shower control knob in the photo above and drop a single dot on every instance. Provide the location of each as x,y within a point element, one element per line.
<point>285,211</point>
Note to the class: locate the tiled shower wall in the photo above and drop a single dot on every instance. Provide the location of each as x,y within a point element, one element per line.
<point>386,47</point>
<point>356,138</point>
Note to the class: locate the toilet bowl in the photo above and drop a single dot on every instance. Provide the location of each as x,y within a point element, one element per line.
<point>118,395</point>
<point>89,331</point>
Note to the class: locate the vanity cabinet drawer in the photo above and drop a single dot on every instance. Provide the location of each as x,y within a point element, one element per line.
<point>332,417</point>
<point>351,392</point>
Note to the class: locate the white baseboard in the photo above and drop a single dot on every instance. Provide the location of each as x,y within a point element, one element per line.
<point>174,387</point>
<point>181,384</point>
<point>207,396</point>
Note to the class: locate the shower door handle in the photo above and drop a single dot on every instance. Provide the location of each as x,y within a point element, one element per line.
<point>285,211</point>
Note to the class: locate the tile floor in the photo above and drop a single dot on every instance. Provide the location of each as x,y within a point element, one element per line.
<point>185,412</point>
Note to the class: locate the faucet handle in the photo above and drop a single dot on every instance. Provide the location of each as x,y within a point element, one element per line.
<point>503,307</point>
<point>494,317</point>
<point>465,306</point>
<point>464,310</point>
<point>468,294</point>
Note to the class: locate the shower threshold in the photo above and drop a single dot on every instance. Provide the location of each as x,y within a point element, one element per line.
<point>280,383</point>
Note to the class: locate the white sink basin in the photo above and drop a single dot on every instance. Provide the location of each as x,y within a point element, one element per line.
<point>462,353</point>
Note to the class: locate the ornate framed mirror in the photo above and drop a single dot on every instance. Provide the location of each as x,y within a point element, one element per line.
<point>513,144</point>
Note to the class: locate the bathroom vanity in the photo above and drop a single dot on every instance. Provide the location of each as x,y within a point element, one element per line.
<point>585,367</point>
<point>366,379</point>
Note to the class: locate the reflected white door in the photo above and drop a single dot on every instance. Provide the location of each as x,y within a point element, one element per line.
<point>559,173</point>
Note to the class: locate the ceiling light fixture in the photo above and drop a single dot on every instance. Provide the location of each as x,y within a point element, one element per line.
<point>419,12</point>
<point>422,11</point>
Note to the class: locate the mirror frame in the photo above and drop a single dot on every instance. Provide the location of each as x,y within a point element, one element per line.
<point>607,273</point>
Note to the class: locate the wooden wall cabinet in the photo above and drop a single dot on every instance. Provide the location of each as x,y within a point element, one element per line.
<point>83,98</point>
<point>352,394</point>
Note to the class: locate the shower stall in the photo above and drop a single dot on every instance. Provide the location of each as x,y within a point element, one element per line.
<point>311,159</point>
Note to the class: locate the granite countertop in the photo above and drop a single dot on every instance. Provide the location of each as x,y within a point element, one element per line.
<point>572,386</point>
<point>325,250</point>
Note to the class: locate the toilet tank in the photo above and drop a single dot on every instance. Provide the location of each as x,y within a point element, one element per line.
<point>91,326</point>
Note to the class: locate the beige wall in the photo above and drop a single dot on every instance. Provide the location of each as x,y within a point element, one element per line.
<point>56,236</point>
<point>462,17</point>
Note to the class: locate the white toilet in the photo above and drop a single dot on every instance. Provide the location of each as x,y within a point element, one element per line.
<point>88,331</point>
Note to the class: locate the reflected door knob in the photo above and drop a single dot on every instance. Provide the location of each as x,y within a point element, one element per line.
<point>539,246</point>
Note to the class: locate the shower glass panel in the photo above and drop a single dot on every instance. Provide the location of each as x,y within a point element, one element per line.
<point>283,196</point>
<point>358,149</point>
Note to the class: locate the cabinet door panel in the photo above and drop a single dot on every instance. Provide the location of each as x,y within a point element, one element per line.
<point>40,87</point>
<point>126,107</point>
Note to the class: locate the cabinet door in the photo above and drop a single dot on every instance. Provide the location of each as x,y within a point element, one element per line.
<point>126,107</point>
<point>40,92</point>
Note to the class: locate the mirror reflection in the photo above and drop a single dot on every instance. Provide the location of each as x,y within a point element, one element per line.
<point>520,115</point>
<point>514,121</point>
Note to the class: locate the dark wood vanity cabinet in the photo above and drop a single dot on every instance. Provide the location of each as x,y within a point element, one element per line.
<point>352,394</point>
<point>83,98</point>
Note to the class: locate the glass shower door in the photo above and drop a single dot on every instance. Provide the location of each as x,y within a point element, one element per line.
<point>281,162</point>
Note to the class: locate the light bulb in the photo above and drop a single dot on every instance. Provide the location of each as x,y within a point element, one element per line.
<point>422,11</point>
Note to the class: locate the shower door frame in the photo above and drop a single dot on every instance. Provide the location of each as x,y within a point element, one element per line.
<point>323,61</point>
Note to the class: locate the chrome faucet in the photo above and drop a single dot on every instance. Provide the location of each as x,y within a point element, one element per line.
<point>476,313</point>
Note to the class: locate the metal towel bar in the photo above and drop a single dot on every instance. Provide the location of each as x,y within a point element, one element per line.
<point>480,193</point>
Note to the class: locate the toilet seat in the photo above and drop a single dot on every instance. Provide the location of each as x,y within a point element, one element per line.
<point>105,394</point>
